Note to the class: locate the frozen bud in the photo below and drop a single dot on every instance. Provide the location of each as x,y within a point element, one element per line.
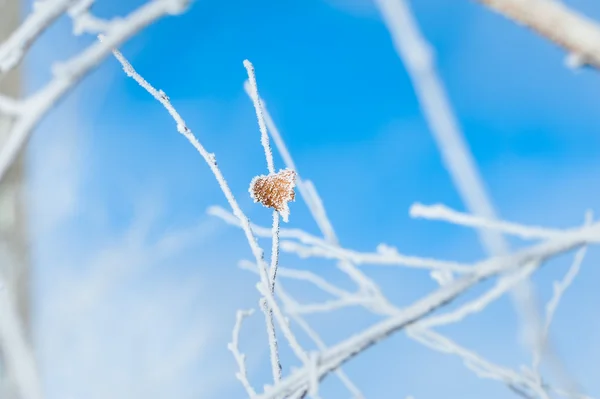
<point>275,191</point>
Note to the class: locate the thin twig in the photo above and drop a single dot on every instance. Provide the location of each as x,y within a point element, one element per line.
<point>70,73</point>
<point>264,139</point>
<point>15,47</point>
<point>240,358</point>
<point>344,351</point>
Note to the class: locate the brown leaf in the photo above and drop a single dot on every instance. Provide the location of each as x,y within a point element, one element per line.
<point>275,190</point>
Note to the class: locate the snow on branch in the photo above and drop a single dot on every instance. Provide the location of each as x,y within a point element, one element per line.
<point>443,213</point>
<point>27,113</point>
<point>15,47</point>
<point>347,349</point>
<point>554,20</point>
<point>305,187</point>
<point>240,358</point>
<point>321,248</point>
<point>9,106</point>
<point>290,305</point>
<point>71,72</point>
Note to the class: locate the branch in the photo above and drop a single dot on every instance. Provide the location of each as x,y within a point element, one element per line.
<point>240,358</point>
<point>417,56</point>
<point>443,213</point>
<point>15,47</point>
<point>268,300</point>
<point>344,351</point>
<point>70,73</point>
<point>9,106</point>
<point>321,248</point>
<point>553,20</point>
<point>480,366</point>
<point>289,304</point>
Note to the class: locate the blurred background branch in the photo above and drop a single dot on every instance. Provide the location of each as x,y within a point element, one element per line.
<point>14,268</point>
<point>574,32</point>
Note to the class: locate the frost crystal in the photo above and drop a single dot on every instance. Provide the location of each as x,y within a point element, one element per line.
<point>275,191</point>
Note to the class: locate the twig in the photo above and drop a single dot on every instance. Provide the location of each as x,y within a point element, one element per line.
<point>342,352</point>
<point>480,366</point>
<point>70,73</point>
<point>240,358</point>
<point>417,55</point>
<point>9,106</point>
<point>322,248</point>
<point>443,213</point>
<point>44,14</point>
<point>263,286</point>
<point>289,303</point>
<point>264,139</point>
<point>571,30</point>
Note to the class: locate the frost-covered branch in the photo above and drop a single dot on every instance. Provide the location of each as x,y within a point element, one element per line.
<point>417,56</point>
<point>71,72</point>
<point>322,249</point>
<point>504,284</point>
<point>305,187</point>
<point>264,139</point>
<point>15,47</point>
<point>519,382</point>
<point>554,20</point>
<point>443,213</point>
<point>264,287</point>
<point>303,275</point>
<point>240,358</point>
<point>9,106</point>
<point>27,113</point>
<point>384,257</point>
<point>290,305</point>
<point>344,351</point>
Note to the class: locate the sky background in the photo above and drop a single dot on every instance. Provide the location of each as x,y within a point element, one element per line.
<point>136,287</point>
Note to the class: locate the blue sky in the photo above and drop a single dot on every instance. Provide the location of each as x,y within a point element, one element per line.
<point>136,287</point>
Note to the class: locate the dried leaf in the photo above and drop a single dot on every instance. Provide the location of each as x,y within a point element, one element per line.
<point>275,191</point>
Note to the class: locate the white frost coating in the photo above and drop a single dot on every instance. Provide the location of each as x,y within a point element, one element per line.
<point>519,382</point>
<point>268,303</point>
<point>342,352</point>
<point>558,290</point>
<point>305,187</point>
<point>27,113</point>
<point>290,304</point>
<point>321,248</point>
<point>36,106</point>
<point>373,258</point>
<point>274,191</point>
<point>313,364</point>
<point>416,53</point>
<point>264,136</point>
<point>14,48</point>
<point>9,106</point>
<point>240,358</point>
<point>85,22</point>
<point>554,20</point>
<point>280,190</point>
<point>442,212</point>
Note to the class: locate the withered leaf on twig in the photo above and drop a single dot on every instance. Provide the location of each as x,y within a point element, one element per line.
<point>275,191</point>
